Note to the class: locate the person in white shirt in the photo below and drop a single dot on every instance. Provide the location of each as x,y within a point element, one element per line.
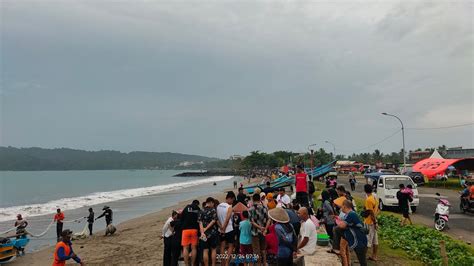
<point>307,243</point>
<point>166,234</point>
<point>224,216</point>
<point>283,199</point>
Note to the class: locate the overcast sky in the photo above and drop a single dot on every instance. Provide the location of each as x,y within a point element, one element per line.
<point>227,77</point>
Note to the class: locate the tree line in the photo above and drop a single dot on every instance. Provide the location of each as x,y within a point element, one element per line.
<point>30,159</point>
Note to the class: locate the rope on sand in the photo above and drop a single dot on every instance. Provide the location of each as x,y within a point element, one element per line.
<point>8,231</point>
<point>47,228</point>
<point>43,233</point>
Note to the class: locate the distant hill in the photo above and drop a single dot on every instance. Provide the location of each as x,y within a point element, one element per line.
<point>29,159</point>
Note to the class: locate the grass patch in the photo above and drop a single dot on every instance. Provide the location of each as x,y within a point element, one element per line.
<point>451,183</point>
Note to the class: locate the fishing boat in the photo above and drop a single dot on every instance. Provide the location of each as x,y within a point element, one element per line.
<point>11,247</point>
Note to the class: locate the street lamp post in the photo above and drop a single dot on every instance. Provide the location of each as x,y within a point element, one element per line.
<point>333,147</point>
<point>403,138</point>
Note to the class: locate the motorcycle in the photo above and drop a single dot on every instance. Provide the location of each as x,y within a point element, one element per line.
<point>441,213</point>
<point>466,205</point>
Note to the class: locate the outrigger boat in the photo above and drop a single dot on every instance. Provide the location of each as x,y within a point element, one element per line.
<point>11,247</point>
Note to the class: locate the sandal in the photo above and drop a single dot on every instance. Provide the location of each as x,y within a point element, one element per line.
<point>332,251</point>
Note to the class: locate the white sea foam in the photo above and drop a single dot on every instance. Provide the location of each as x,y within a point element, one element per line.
<point>31,210</point>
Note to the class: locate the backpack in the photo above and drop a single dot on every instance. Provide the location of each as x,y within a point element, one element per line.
<point>289,238</point>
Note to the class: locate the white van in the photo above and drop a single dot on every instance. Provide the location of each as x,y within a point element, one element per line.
<point>387,188</point>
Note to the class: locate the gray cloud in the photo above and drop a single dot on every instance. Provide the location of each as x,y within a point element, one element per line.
<point>221,78</point>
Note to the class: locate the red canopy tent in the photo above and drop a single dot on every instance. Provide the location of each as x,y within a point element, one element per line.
<point>436,164</point>
<point>433,166</point>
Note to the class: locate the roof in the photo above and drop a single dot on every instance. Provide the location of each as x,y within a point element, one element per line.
<point>436,155</point>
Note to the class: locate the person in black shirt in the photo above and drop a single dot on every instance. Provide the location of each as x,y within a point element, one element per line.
<point>90,220</point>
<point>241,197</point>
<point>268,188</point>
<point>403,203</point>
<point>190,231</point>
<point>176,239</point>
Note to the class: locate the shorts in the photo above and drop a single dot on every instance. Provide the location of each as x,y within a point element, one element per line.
<point>211,243</point>
<point>229,237</point>
<point>406,213</point>
<point>258,243</point>
<point>246,249</point>
<point>189,237</point>
<point>372,237</point>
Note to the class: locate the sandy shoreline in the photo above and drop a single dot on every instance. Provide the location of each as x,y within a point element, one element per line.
<point>137,241</point>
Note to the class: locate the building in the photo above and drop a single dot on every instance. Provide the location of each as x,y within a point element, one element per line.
<point>415,156</point>
<point>236,157</point>
<point>458,153</point>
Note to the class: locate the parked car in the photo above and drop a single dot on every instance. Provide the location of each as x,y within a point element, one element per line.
<point>387,188</point>
<point>417,177</point>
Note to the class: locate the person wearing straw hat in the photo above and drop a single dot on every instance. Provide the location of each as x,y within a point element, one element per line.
<point>286,236</point>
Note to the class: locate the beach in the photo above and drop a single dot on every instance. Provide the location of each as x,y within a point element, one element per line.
<point>137,241</point>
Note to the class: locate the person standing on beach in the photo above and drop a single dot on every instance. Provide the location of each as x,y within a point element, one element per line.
<point>287,239</point>
<point>224,215</point>
<point>307,244</point>
<point>90,220</point>
<point>235,183</point>
<point>241,197</point>
<point>108,214</point>
<point>59,218</point>
<point>176,238</point>
<point>258,219</point>
<point>209,234</point>
<point>63,250</point>
<point>166,235</point>
<point>283,199</point>
<point>301,183</point>
<point>20,225</point>
<point>245,238</point>
<point>190,232</point>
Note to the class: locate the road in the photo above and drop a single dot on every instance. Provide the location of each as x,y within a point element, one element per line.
<point>461,226</point>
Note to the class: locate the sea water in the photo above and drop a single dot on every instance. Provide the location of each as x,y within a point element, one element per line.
<point>130,193</point>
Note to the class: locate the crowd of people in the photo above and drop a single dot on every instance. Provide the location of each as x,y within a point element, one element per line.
<point>233,231</point>
<point>266,228</point>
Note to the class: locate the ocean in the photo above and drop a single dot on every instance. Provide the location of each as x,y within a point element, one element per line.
<point>130,193</point>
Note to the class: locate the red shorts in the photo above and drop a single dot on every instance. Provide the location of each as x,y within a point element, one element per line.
<point>246,249</point>
<point>189,237</point>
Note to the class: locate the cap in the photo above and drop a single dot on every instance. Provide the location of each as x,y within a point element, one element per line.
<point>66,232</point>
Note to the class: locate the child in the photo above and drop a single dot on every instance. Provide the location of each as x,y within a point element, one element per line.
<point>272,245</point>
<point>245,237</point>
<point>408,190</point>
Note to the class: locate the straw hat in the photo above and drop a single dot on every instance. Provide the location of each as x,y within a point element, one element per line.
<point>278,214</point>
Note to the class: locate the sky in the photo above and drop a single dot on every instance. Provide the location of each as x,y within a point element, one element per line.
<point>218,78</point>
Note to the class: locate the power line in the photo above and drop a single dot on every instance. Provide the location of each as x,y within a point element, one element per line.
<point>379,142</point>
<point>431,128</point>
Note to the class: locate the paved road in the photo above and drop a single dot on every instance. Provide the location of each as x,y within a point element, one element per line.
<point>461,225</point>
